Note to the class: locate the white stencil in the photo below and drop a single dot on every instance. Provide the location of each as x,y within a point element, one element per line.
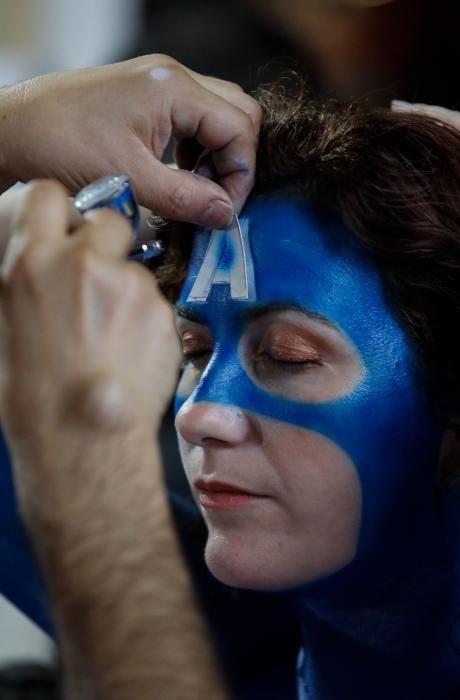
<point>239,275</point>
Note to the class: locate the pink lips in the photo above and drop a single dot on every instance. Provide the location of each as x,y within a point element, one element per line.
<point>218,494</point>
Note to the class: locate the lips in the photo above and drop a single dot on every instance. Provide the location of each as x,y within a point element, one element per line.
<point>222,495</point>
<point>220,487</point>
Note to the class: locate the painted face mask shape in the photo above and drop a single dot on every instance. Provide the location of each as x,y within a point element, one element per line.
<point>303,392</point>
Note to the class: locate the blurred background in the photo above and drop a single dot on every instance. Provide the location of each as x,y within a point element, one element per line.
<point>373,49</point>
<point>380,49</point>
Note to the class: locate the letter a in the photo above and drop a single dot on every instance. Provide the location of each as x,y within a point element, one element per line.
<point>228,260</point>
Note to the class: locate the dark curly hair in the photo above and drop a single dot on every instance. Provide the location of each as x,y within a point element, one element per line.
<point>394,179</point>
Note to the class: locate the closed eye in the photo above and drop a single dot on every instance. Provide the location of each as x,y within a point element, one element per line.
<point>198,358</point>
<point>268,362</point>
<point>293,355</point>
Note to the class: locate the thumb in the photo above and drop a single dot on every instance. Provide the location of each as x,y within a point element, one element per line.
<point>180,194</point>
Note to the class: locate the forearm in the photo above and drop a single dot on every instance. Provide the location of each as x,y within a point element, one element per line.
<point>89,362</point>
<point>126,615</point>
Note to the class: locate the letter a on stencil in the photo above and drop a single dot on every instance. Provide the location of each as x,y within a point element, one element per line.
<point>228,260</point>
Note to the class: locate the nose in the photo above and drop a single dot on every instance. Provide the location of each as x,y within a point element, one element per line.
<point>206,423</point>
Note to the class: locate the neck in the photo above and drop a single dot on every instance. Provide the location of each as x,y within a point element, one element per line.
<point>395,623</point>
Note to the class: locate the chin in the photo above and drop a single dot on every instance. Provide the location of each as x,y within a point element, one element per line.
<point>236,576</point>
<point>252,568</point>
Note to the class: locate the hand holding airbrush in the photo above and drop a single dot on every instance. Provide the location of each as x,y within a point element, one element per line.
<point>115,192</point>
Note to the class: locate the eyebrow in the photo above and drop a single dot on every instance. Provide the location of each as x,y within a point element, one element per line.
<point>256,312</point>
<point>186,312</point>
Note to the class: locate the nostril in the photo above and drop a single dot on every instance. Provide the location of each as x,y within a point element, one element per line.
<point>212,424</point>
<point>213,442</point>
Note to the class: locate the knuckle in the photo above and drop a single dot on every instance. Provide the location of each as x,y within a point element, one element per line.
<point>38,193</point>
<point>105,216</point>
<point>110,220</point>
<point>256,112</point>
<point>234,87</point>
<point>245,121</point>
<point>46,188</point>
<point>159,66</point>
<point>24,267</point>
<point>138,285</point>
<point>180,198</point>
<point>248,129</point>
<point>83,261</point>
<point>163,60</point>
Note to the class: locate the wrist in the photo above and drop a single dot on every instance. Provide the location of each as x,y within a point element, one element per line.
<point>91,442</point>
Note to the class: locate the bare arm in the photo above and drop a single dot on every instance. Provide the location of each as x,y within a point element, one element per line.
<point>88,361</point>
<point>127,619</point>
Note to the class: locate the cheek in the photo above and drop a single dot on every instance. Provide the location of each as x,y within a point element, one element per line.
<point>189,431</point>
<point>185,450</point>
<point>318,480</point>
<point>190,465</point>
<point>187,383</point>
<point>311,527</point>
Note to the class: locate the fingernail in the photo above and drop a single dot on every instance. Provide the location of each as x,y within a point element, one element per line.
<point>204,171</point>
<point>242,166</point>
<point>218,214</point>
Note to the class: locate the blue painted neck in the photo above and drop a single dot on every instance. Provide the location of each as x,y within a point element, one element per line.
<point>398,637</point>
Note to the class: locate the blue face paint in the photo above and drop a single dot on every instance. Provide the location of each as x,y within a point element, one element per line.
<point>398,595</point>
<point>385,424</point>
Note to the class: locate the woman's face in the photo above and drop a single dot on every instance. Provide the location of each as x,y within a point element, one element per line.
<point>302,422</point>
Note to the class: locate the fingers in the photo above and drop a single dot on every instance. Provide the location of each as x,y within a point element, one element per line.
<point>38,214</point>
<point>9,204</point>
<point>187,153</point>
<point>15,201</point>
<point>229,135</point>
<point>235,160</point>
<point>43,212</point>
<point>180,195</point>
<point>448,116</point>
<point>221,118</point>
<point>46,215</point>
<point>105,233</point>
<point>231,92</point>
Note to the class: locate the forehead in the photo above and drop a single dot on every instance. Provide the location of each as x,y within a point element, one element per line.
<point>299,256</point>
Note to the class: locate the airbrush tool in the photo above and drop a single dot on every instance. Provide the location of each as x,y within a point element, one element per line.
<point>116,193</point>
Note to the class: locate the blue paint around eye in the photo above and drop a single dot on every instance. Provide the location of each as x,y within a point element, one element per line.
<point>385,424</point>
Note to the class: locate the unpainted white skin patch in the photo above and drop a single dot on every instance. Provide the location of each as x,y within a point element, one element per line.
<point>307,525</point>
<point>160,73</point>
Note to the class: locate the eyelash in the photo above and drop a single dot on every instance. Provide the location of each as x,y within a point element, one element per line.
<point>197,358</point>
<point>194,357</point>
<point>280,365</point>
